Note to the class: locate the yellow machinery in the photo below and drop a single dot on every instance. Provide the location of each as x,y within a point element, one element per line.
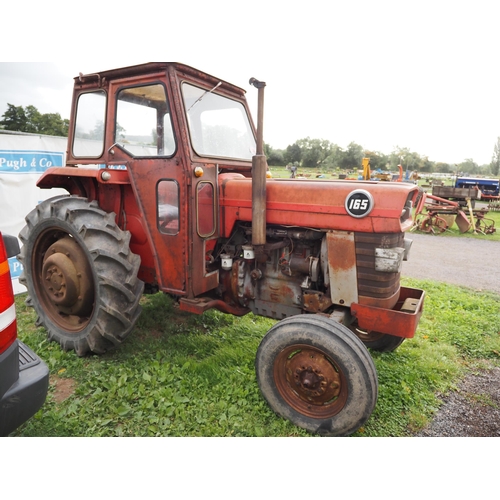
<point>366,169</point>
<point>379,176</point>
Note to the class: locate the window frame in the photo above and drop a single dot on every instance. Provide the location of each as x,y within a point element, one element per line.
<point>158,204</point>
<point>170,120</point>
<point>213,211</point>
<point>105,117</point>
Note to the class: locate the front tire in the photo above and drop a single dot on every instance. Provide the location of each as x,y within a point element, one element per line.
<point>316,373</point>
<point>80,274</point>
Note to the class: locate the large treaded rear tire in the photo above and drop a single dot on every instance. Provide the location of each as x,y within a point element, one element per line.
<point>80,274</point>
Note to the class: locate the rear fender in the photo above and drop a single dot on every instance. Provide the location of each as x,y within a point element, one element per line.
<point>81,181</point>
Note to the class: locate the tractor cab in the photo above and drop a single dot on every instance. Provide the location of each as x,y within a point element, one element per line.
<point>172,129</point>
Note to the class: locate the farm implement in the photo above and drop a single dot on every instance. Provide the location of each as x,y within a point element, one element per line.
<point>441,213</point>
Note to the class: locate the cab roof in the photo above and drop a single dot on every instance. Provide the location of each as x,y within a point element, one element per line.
<point>152,68</point>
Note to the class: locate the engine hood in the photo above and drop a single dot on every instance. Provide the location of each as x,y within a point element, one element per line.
<point>318,204</point>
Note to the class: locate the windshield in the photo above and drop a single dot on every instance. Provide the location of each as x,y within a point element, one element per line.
<point>218,126</point>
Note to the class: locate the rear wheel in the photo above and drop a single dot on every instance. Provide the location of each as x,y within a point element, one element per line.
<point>314,372</point>
<point>80,274</point>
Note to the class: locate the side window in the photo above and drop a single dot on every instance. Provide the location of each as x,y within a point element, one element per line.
<point>88,138</point>
<point>143,124</point>
<point>205,208</point>
<point>167,196</point>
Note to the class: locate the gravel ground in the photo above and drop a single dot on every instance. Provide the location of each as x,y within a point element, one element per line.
<point>473,409</point>
<point>459,261</point>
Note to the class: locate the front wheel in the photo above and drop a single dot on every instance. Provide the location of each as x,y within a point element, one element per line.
<point>316,373</point>
<point>80,274</point>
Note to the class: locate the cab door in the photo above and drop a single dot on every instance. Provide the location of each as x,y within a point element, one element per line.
<point>145,144</point>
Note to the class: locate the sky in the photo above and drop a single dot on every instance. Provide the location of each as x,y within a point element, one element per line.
<point>419,75</point>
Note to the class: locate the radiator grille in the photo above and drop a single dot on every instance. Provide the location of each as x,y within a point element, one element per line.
<point>371,283</point>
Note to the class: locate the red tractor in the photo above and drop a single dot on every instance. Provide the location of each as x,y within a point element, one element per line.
<point>168,192</point>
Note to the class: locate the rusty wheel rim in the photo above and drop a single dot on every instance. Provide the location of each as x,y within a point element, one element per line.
<point>440,224</point>
<point>426,225</point>
<point>63,280</point>
<point>309,381</point>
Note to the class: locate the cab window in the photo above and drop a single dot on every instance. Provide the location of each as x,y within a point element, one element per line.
<point>205,207</point>
<point>167,196</point>
<point>143,121</point>
<point>88,136</point>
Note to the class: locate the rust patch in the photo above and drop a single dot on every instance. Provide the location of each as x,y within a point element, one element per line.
<point>283,291</point>
<point>342,267</point>
<point>342,250</point>
<point>316,301</point>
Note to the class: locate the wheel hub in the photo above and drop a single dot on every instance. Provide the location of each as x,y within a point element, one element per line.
<point>312,376</point>
<point>310,381</point>
<point>60,280</point>
<point>66,278</point>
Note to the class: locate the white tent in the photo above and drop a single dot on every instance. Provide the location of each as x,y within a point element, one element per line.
<point>23,159</point>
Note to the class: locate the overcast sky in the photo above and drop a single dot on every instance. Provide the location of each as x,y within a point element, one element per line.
<point>422,75</point>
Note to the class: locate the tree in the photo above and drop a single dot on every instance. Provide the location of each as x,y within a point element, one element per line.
<point>30,120</point>
<point>14,118</point>
<point>53,124</point>
<point>444,168</point>
<point>293,153</point>
<point>334,159</point>
<point>410,160</point>
<point>495,160</point>
<point>314,151</point>
<point>377,160</point>
<point>468,166</point>
<point>33,120</point>
<point>352,157</point>
<point>274,156</point>
<point>404,157</point>
<point>426,165</point>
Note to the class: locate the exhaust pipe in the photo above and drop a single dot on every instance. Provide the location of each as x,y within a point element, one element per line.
<point>259,169</point>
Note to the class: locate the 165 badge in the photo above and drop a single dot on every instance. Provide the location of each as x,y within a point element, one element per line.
<point>359,203</point>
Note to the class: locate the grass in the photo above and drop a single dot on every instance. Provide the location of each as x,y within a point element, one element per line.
<point>186,375</point>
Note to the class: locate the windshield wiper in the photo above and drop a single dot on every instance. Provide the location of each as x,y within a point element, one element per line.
<point>203,95</point>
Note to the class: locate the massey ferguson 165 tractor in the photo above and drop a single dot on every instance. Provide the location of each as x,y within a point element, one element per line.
<point>168,192</point>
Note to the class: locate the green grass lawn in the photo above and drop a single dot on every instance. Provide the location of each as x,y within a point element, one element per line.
<point>185,375</point>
